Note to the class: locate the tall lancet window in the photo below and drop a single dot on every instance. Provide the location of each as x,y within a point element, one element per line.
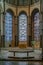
<point>36,27</point>
<point>8,27</point>
<point>22,27</point>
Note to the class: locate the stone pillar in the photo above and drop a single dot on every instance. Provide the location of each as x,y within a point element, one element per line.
<point>41,31</point>
<point>0,26</point>
<point>29,31</point>
<point>16,31</point>
<point>13,30</point>
<point>41,20</point>
<point>42,36</point>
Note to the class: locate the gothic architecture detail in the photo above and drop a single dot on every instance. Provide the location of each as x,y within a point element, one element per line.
<point>19,22</point>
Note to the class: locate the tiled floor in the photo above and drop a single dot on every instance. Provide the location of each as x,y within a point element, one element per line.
<point>19,63</point>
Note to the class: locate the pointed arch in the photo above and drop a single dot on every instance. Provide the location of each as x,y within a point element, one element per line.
<point>22,12</point>
<point>10,11</point>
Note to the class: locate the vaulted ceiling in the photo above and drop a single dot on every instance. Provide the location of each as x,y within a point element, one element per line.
<point>20,2</point>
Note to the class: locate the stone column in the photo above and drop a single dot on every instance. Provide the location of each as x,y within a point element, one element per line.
<point>41,20</point>
<point>42,36</point>
<point>0,26</point>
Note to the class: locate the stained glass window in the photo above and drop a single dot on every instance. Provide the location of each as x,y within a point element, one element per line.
<point>36,26</point>
<point>8,27</point>
<point>22,27</point>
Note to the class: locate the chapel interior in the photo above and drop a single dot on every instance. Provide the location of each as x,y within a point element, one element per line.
<point>20,23</point>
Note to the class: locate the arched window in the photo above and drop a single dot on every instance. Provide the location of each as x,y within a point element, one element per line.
<point>8,27</point>
<point>36,27</point>
<point>22,27</point>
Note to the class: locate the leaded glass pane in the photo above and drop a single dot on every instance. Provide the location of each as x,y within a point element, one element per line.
<point>36,26</point>
<point>22,27</point>
<point>8,27</point>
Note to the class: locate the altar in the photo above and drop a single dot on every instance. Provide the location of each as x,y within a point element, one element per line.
<point>21,53</point>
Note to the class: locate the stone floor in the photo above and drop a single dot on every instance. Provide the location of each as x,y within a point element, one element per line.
<point>19,63</point>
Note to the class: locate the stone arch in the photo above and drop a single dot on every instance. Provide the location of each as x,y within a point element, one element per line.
<point>22,12</point>
<point>10,11</point>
